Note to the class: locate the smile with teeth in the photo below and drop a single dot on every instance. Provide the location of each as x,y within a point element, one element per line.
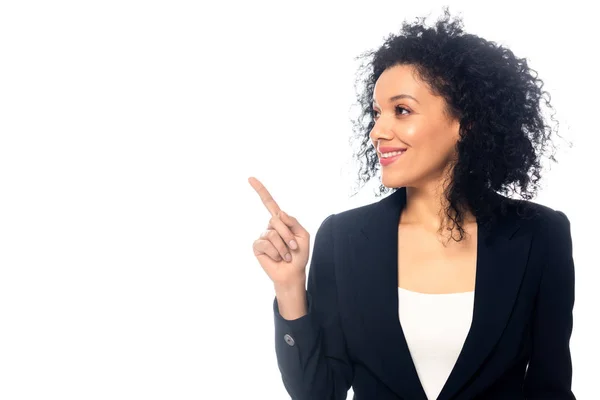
<point>391,154</point>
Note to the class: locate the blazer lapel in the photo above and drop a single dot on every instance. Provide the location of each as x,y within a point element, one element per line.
<point>501,261</point>
<point>373,267</point>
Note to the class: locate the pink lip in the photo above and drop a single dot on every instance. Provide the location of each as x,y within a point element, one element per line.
<point>386,149</point>
<point>387,161</point>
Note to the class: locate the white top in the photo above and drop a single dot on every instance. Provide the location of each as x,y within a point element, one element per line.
<point>435,327</point>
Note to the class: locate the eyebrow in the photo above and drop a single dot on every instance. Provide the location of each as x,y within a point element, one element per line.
<point>398,97</point>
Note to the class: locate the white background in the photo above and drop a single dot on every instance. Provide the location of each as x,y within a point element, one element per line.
<point>127,133</point>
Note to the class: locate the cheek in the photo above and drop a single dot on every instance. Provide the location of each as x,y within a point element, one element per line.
<point>424,138</point>
<point>415,133</point>
<point>433,146</point>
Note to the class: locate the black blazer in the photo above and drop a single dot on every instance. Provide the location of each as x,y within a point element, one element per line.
<point>518,343</point>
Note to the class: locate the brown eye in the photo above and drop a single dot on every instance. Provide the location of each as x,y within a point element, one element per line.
<point>399,110</point>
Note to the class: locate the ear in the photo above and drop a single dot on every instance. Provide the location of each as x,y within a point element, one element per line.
<point>464,128</point>
<point>455,128</point>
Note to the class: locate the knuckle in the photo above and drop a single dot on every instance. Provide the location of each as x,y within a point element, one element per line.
<point>288,236</point>
<point>270,250</point>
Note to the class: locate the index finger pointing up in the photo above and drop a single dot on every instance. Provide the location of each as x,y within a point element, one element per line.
<point>265,196</point>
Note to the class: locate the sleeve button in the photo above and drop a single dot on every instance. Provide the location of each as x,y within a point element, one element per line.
<point>289,340</point>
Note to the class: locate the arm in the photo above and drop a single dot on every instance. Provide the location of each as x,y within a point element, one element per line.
<point>550,370</point>
<point>311,350</point>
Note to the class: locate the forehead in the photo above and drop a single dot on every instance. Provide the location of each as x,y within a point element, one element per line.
<point>396,80</point>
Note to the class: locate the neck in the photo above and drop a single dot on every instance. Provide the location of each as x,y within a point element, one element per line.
<point>426,206</point>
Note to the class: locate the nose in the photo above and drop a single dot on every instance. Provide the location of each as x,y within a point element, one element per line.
<point>378,133</point>
<point>382,129</point>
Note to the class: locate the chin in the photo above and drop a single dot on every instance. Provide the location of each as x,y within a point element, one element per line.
<point>390,180</point>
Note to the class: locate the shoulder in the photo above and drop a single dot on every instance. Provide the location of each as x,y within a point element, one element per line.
<point>542,216</point>
<point>350,220</point>
<point>549,225</point>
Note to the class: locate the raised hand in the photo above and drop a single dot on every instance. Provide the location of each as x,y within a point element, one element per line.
<point>283,249</point>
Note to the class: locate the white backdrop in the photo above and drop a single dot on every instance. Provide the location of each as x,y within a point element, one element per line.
<point>128,130</point>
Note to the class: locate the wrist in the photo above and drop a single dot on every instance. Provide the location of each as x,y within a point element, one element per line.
<point>291,301</point>
<point>290,288</point>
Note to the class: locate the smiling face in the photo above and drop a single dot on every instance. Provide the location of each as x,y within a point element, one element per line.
<point>408,115</point>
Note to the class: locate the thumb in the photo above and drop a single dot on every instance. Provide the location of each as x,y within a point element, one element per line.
<point>293,224</point>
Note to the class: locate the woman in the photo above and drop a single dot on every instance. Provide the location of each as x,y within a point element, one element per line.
<point>446,289</point>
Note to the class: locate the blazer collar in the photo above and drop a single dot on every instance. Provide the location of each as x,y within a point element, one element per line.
<point>373,266</point>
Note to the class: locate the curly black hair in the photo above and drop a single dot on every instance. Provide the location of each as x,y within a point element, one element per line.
<point>495,96</point>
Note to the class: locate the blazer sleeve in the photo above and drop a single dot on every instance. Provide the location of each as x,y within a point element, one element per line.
<point>311,350</point>
<point>549,373</point>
